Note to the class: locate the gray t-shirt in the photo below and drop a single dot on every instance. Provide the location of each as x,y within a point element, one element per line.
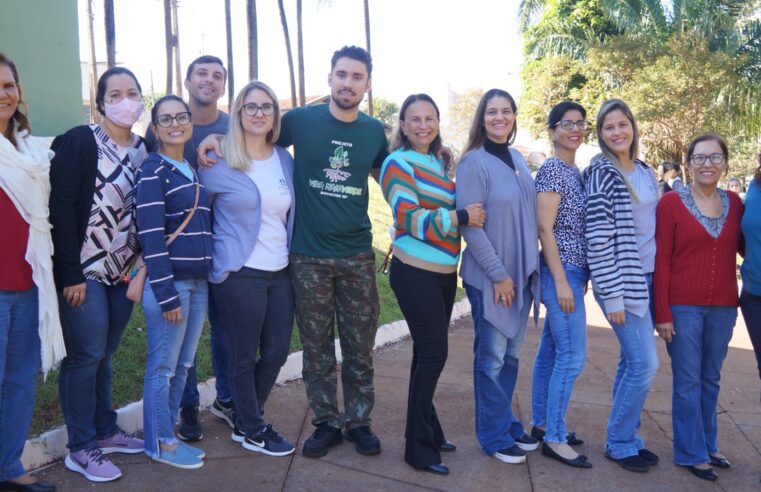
<point>199,133</point>
<point>643,182</point>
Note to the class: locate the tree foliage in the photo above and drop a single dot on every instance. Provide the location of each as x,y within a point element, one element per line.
<point>461,112</point>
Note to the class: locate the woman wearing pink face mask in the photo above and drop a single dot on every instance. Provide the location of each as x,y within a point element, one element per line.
<point>92,211</point>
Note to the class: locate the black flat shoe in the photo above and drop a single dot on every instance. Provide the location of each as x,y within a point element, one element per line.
<point>630,463</point>
<point>570,438</point>
<point>649,456</point>
<point>31,487</point>
<point>720,462</point>
<point>706,474</point>
<point>447,447</point>
<point>579,462</point>
<point>440,469</point>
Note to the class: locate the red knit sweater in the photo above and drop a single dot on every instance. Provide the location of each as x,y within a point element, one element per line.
<point>691,267</point>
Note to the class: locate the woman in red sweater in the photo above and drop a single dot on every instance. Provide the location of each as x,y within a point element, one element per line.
<point>695,293</point>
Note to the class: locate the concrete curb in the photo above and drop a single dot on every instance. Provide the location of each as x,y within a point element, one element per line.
<point>51,445</point>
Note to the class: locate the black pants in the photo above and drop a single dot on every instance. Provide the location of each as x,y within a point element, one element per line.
<point>256,312</point>
<point>751,309</point>
<point>426,299</point>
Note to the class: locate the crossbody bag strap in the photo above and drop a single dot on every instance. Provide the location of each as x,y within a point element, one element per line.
<point>190,214</point>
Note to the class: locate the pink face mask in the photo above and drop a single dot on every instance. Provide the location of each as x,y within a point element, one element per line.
<point>124,113</point>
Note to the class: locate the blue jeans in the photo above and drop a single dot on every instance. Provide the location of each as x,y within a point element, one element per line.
<point>19,360</point>
<point>92,333</point>
<point>561,354</point>
<point>697,353</point>
<point>219,359</point>
<point>495,372</point>
<point>637,365</point>
<point>171,351</point>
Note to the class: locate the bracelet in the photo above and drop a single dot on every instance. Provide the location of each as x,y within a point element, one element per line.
<point>462,217</point>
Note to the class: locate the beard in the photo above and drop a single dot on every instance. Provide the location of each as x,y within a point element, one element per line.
<point>346,106</point>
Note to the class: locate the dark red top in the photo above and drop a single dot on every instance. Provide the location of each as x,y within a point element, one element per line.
<point>15,272</point>
<point>691,267</point>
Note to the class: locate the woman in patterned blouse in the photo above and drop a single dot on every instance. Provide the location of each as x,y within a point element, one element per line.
<point>561,200</point>
<point>93,216</point>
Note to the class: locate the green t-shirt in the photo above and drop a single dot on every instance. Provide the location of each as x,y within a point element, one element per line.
<point>332,161</point>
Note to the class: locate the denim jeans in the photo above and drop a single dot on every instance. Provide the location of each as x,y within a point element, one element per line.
<point>751,308</point>
<point>561,353</point>
<point>697,353</point>
<point>256,308</point>
<point>19,360</point>
<point>219,359</point>
<point>495,372</point>
<point>171,351</point>
<point>92,333</point>
<point>637,365</point>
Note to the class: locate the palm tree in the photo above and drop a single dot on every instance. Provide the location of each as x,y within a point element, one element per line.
<point>108,7</point>
<point>289,53</point>
<point>253,48</point>
<point>168,43</point>
<point>93,61</point>
<point>367,38</point>
<point>300,49</point>
<point>176,43</point>
<point>230,67</point>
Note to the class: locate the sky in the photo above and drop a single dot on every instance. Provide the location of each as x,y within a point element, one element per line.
<point>431,46</point>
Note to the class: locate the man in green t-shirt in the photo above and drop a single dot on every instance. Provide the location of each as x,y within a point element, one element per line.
<point>336,147</point>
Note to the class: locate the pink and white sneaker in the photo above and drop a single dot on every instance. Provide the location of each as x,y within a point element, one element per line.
<point>93,465</point>
<point>121,442</point>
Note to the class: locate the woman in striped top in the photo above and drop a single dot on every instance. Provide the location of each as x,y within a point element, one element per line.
<point>176,295</point>
<point>417,186</point>
<point>622,193</point>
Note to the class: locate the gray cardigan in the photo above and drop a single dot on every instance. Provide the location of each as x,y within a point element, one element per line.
<point>508,244</point>
<point>237,213</point>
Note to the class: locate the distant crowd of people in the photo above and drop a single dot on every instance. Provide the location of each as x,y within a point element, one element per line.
<point>210,216</point>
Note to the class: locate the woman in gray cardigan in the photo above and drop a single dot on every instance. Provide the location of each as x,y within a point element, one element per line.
<point>500,270</point>
<point>252,200</point>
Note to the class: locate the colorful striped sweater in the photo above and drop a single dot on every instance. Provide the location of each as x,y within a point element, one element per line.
<point>164,197</point>
<point>422,199</point>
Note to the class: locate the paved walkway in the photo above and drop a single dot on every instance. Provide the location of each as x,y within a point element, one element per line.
<point>230,468</point>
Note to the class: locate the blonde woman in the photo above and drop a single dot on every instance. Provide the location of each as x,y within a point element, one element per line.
<point>251,193</point>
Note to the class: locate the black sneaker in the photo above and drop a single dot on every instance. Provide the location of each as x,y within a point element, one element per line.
<point>366,442</point>
<point>513,455</point>
<point>237,435</point>
<point>323,438</point>
<point>190,428</point>
<point>269,442</point>
<point>224,411</point>
<point>527,443</point>
<point>634,463</point>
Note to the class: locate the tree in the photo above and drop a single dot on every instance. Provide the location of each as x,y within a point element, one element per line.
<point>461,113</point>
<point>289,53</point>
<point>108,8</point>
<point>385,110</point>
<point>370,104</point>
<point>168,43</point>
<point>230,67</point>
<point>93,60</point>
<point>253,44</point>
<point>176,46</point>
<point>300,49</point>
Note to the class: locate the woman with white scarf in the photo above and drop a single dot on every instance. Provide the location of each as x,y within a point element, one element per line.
<point>30,331</point>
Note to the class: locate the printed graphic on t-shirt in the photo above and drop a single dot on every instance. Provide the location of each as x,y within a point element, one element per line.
<point>336,174</point>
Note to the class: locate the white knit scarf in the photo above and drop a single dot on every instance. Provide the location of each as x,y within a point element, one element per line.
<point>24,176</point>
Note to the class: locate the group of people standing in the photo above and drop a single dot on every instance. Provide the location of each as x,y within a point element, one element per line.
<point>225,239</point>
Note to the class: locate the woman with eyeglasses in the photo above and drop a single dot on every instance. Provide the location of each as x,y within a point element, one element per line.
<point>695,291</point>
<point>561,199</point>
<point>172,206</point>
<point>92,212</point>
<point>251,192</point>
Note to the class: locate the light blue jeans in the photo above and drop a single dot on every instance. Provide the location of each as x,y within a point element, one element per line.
<point>171,351</point>
<point>19,361</point>
<point>637,365</point>
<point>561,354</point>
<point>697,353</point>
<point>495,372</point>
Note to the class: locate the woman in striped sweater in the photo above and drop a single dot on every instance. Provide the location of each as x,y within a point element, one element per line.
<point>622,194</point>
<point>417,186</point>
<point>176,295</point>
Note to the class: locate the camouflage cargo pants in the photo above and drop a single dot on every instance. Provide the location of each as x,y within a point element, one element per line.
<point>342,291</point>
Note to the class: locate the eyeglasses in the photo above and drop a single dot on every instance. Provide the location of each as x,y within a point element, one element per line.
<point>702,159</point>
<point>165,120</point>
<point>267,109</point>
<point>568,124</point>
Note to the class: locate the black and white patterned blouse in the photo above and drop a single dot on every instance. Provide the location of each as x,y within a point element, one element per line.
<point>712,225</point>
<point>558,177</point>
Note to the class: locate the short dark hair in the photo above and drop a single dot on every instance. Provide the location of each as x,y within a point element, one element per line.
<point>355,53</point>
<point>100,95</point>
<point>170,97</point>
<point>667,166</point>
<point>400,139</point>
<point>560,109</point>
<point>708,137</point>
<point>205,59</point>
<point>477,133</point>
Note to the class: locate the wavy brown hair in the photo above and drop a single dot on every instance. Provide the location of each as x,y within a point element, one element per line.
<point>19,121</point>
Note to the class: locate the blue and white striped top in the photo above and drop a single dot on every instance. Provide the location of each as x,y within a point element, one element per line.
<point>164,197</point>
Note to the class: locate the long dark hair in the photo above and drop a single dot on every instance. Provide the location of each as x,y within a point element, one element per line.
<point>19,121</point>
<point>757,176</point>
<point>400,139</point>
<point>477,134</point>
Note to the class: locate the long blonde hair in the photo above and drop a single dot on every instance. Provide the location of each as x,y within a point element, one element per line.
<point>234,142</point>
<point>607,107</point>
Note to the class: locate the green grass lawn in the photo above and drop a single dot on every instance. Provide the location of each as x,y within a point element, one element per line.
<point>129,361</point>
